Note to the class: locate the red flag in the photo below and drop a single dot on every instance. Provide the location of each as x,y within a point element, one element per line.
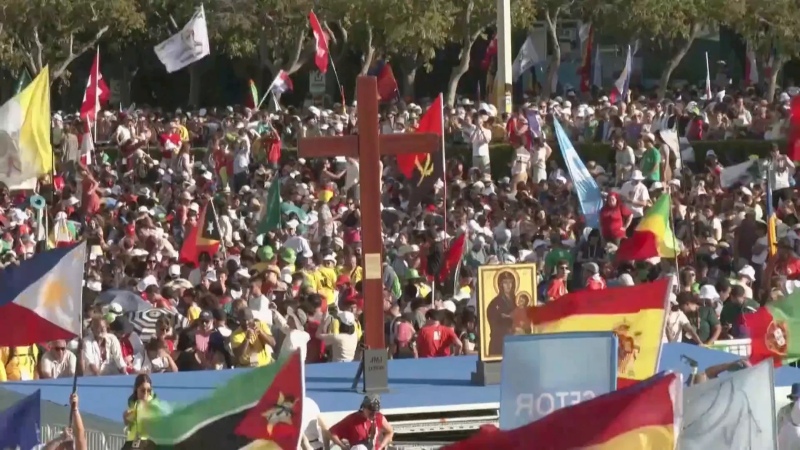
<point>585,71</point>
<point>642,416</point>
<point>453,256</point>
<point>491,52</point>
<point>387,85</point>
<point>793,143</point>
<point>97,92</point>
<point>204,237</point>
<point>86,144</point>
<point>321,57</point>
<point>430,122</point>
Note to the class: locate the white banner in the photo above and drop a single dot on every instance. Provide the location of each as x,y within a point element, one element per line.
<point>186,47</point>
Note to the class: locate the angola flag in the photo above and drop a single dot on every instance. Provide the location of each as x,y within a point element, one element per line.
<point>775,331</point>
<point>653,236</point>
<point>233,417</point>
<point>424,169</point>
<point>636,314</point>
<point>205,237</point>
<point>644,416</point>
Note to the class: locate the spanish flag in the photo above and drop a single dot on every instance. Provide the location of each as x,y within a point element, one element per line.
<point>635,313</point>
<point>653,237</point>
<point>645,416</point>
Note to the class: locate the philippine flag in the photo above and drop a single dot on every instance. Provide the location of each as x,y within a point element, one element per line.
<point>41,297</point>
<point>620,91</point>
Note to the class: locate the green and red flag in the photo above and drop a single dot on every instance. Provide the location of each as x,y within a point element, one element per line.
<point>259,409</point>
<point>251,101</point>
<point>775,331</point>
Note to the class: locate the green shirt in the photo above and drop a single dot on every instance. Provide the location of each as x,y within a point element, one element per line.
<point>651,164</point>
<point>731,314</point>
<point>704,322</point>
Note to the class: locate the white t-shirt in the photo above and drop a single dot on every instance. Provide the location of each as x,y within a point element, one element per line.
<point>310,425</point>
<point>299,244</point>
<point>634,192</point>
<point>480,138</point>
<point>59,369</point>
<point>343,346</point>
<point>673,331</point>
<point>114,364</point>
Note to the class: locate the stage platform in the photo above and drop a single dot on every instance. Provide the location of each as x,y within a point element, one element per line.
<point>426,395</point>
<point>417,387</point>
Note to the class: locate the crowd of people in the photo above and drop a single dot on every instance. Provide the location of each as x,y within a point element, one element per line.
<point>135,199</point>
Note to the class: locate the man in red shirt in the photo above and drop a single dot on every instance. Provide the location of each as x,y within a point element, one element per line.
<point>435,339</point>
<point>364,429</point>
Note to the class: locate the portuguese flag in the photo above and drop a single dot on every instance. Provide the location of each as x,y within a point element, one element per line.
<point>641,417</point>
<point>775,331</point>
<point>653,236</point>
<point>259,409</point>
<point>635,314</point>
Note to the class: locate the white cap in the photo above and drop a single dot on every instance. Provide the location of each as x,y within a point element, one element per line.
<point>625,280</point>
<point>292,224</point>
<point>146,282</point>
<point>748,271</point>
<point>449,305</point>
<point>708,292</point>
<point>175,270</point>
<point>347,318</point>
<point>329,257</point>
<point>637,175</point>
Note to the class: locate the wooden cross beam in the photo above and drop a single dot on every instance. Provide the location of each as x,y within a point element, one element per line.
<point>368,146</point>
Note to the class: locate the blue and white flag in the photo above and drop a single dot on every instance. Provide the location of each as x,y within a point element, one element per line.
<point>19,424</point>
<point>542,373</point>
<point>589,195</point>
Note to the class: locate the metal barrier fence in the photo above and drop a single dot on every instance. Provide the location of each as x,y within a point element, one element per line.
<point>95,440</point>
<point>739,347</point>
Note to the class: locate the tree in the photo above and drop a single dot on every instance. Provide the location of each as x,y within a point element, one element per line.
<point>55,32</point>
<point>771,28</point>
<point>471,18</point>
<point>668,26</point>
<point>276,32</point>
<point>553,11</point>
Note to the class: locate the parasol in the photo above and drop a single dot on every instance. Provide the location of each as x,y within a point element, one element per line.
<point>144,322</point>
<point>128,300</point>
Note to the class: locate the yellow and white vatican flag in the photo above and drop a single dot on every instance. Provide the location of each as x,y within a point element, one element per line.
<point>25,150</point>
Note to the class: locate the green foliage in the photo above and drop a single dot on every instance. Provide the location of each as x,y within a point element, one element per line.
<point>771,24</point>
<point>36,33</point>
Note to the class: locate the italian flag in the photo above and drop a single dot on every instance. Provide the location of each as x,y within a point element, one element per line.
<point>774,331</point>
<point>259,409</point>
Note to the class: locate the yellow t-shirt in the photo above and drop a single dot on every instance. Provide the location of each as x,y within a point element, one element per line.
<point>193,313</point>
<point>21,366</point>
<point>326,277</point>
<point>355,275</point>
<point>312,278</point>
<point>258,355</point>
<point>184,133</point>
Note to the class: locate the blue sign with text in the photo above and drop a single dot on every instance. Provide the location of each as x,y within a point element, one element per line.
<point>545,372</point>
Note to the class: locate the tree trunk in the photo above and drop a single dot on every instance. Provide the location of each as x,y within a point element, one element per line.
<point>673,62</point>
<point>462,67</point>
<point>772,85</point>
<point>194,85</point>
<point>409,77</point>
<point>548,87</point>
<point>369,53</point>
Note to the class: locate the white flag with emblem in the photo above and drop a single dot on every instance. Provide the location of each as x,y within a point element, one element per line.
<point>187,46</point>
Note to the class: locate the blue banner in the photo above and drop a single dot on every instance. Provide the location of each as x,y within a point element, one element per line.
<point>589,195</point>
<point>545,372</point>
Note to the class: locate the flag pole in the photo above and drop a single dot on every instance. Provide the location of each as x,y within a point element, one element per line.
<point>336,75</point>
<point>96,94</point>
<point>78,361</point>
<point>269,89</point>
<point>216,221</point>
<point>444,163</point>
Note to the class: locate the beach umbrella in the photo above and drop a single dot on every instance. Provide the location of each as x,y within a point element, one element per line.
<point>128,300</point>
<point>144,322</point>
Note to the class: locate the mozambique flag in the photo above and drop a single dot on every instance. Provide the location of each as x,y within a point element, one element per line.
<point>271,211</point>
<point>424,169</point>
<point>653,236</point>
<point>260,409</point>
<point>775,331</point>
<point>635,314</point>
<point>205,237</point>
<point>644,416</point>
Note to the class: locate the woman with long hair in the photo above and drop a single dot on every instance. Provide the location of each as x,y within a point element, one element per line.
<point>141,395</point>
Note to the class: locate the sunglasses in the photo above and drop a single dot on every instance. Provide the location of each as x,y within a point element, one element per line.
<point>59,349</point>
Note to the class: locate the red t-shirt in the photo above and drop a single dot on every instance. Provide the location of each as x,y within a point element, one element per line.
<point>354,428</point>
<point>612,220</point>
<point>435,340</point>
<point>127,350</point>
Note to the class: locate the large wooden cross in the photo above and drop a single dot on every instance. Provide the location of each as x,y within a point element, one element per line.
<point>368,146</point>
